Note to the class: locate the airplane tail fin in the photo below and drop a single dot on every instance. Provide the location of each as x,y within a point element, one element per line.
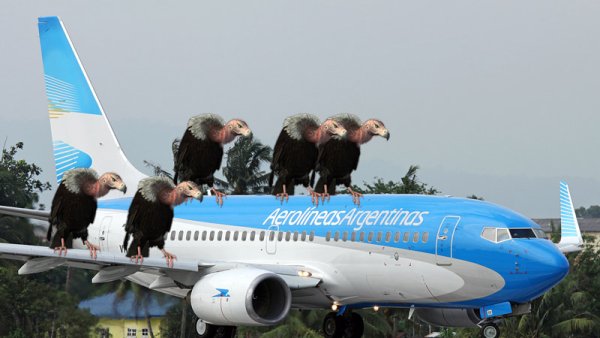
<point>81,134</point>
<point>571,239</point>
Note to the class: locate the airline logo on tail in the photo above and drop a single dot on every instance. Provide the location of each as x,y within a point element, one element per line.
<point>68,157</point>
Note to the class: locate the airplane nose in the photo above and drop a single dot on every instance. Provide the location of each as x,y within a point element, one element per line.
<point>547,266</point>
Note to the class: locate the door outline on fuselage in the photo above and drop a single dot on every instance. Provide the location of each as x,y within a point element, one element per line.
<point>445,236</point>
<point>103,232</point>
<point>271,239</point>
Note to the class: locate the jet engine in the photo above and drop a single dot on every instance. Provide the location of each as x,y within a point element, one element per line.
<point>449,317</point>
<point>243,296</point>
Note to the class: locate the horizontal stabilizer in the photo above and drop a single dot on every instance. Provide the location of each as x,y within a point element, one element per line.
<point>24,212</point>
<point>570,234</point>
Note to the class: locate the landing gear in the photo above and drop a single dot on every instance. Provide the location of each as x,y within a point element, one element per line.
<point>206,330</point>
<point>349,325</point>
<point>490,330</point>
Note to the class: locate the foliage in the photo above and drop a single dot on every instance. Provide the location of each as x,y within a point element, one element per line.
<point>243,169</point>
<point>475,197</point>
<point>33,309</point>
<point>591,212</point>
<point>409,184</point>
<point>170,325</point>
<point>19,186</point>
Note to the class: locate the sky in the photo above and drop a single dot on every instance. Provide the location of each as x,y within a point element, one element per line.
<point>496,98</point>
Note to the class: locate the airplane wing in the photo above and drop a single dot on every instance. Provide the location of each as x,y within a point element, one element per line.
<point>570,235</point>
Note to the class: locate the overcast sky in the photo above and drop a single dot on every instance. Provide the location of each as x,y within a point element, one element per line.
<point>500,99</point>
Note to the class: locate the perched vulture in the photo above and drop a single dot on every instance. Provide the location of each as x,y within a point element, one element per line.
<point>339,157</point>
<point>151,214</point>
<point>296,151</point>
<point>199,153</point>
<point>74,206</point>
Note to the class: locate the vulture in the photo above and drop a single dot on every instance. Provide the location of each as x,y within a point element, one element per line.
<point>296,151</point>
<point>339,157</point>
<point>151,214</point>
<point>74,206</point>
<point>199,153</point>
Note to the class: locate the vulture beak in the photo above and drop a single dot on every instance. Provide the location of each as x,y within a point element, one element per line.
<point>199,196</point>
<point>343,134</point>
<point>386,135</point>
<point>123,188</point>
<point>247,133</point>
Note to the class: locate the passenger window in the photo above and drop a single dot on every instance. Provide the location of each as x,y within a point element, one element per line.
<point>379,236</point>
<point>362,236</point>
<point>279,236</point>
<point>303,237</point>
<point>311,237</point>
<point>212,235</point>
<point>188,236</point>
<point>371,236</point>
<point>271,235</point>
<point>397,236</point>
<point>503,235</point>
<point>328,236</point>
<point>172,235</point>
<point>219,235</point>
<point>261,237</point>
<point>181,235</point>
<point>388,236</point>
<point>405,238</point>
<point>425,237</point>
<point>336,236</point>
<point>244,235</point>
<point>295,236</point>
<point>196,235</point>
<point>235,236</point>
<point>345,236</point>
<point>415,237</point>
<point>252,235</point>
<point>353,237</point>
<point>288,236</point>
<point>204,235</point>
<point>227,235</point>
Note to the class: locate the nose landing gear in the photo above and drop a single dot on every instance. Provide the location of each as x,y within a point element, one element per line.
<point>490,330</point>
<point>349,325</point>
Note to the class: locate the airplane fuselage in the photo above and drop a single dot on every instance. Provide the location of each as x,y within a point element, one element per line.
<point>399,250</point>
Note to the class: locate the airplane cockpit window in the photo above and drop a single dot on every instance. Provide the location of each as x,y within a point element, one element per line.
<point>540,233</point>
<point>522,233</point>
<point>495,235</point>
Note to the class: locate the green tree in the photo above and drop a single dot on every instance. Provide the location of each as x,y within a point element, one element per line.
<point>592,212</point>
<point>409,184</point>
<point>243,169</point>
<point>33,309</point>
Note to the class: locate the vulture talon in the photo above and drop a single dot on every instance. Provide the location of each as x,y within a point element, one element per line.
<point>93,249</point>
<point>169,257</point>
<point>356,196</point>
<point>314,196</point>
<point>61,248</point>
<point>219,196</point>
<point>284,196</point>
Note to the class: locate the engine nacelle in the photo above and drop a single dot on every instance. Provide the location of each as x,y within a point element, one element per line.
<point>449,317</point>
<point>244,296</point>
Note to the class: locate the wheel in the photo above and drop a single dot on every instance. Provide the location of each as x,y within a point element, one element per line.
<point>333,326</point>
<point>354,326</point>
<point>205,330</point>
<point>490,330</point>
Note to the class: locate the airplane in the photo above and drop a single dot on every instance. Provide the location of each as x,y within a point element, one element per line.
<point>454,262</point>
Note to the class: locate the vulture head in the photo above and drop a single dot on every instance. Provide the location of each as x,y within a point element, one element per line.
<point>185,191</point>
<point>236,127</point>
<point>333,128</point>
<point>111,181</point>
<point>374,127</point>
<point>83,180</point>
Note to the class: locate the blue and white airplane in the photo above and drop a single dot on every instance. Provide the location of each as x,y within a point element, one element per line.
<point>453,261</point>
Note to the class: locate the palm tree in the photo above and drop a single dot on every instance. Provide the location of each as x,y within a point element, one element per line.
<point>243,169</point>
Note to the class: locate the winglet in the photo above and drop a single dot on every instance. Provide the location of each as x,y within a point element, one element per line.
<point>570,235</point>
